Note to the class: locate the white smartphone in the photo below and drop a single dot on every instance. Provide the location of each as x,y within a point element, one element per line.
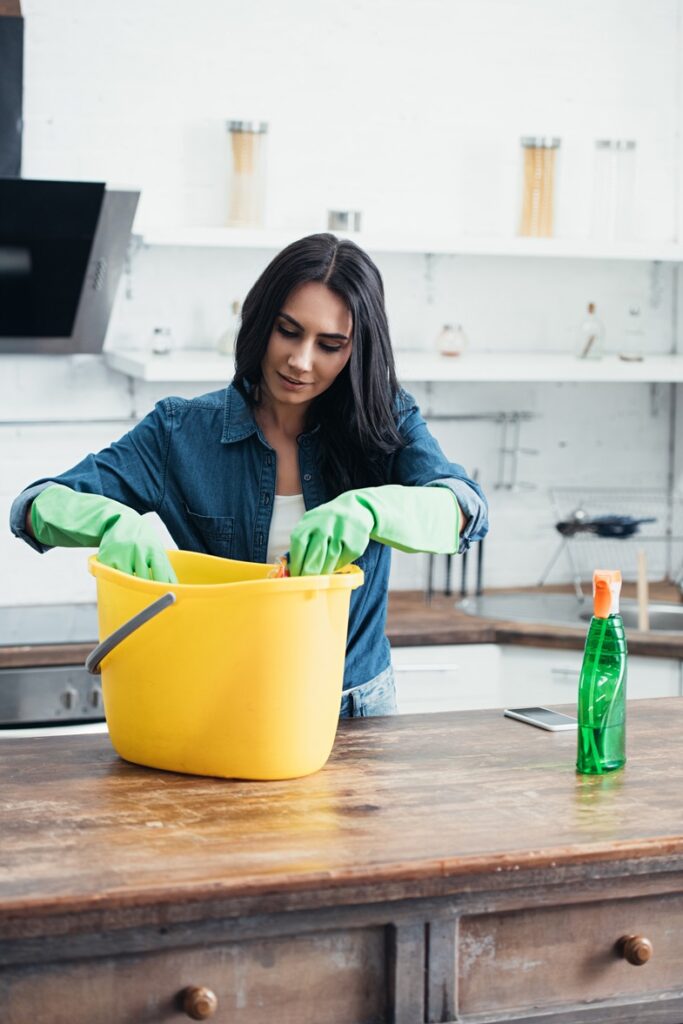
<point>544,718</point>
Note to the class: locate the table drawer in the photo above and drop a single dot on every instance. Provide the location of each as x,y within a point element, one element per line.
<point>326,978</point>
<point>567,955</point>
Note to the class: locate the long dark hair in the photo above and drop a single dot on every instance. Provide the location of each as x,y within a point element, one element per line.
<point>356,415</point>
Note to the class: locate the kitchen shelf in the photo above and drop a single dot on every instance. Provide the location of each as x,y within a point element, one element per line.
<point>414,242</point>
<point>206,366</point>
<point>536,366</point>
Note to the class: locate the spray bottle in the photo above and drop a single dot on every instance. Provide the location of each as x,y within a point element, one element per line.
<point>602,684</point>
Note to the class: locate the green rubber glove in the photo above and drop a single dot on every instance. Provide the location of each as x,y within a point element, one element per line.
<point>408,518</point>
<point>65,518</point>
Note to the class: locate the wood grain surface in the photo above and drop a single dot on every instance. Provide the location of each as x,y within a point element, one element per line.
<point>402,798</point>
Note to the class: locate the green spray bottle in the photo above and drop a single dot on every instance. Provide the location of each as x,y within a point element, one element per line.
<point>602,684</point>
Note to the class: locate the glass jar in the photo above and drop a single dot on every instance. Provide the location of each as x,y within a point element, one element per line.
<point>344,220</point>
<point>538,185</point>
<point>451,340</point>
<point>161,341</point>
<point>614,189</point>
<point>247,173</point>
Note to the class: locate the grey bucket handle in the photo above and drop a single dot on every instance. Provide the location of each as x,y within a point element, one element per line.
<point>96,656</point>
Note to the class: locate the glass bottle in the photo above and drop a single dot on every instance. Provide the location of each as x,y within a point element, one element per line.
<point>601,743</point>
<point>226,342</point>
<point>591,341</point>
<point>451,340</point>
<point>248,173</point>
<point>632,349</point>
<point>538,187</point>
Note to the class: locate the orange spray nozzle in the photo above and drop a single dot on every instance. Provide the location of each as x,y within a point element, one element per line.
<point>606,589</point>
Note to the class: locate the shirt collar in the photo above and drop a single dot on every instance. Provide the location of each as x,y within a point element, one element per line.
<point>238,419</point>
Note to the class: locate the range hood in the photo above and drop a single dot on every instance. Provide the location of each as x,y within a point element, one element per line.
<point>62,249</point>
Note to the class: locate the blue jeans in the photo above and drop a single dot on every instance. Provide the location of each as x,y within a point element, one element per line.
<point>376,697</point>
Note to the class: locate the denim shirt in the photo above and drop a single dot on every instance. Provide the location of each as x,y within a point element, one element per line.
<point>205,468</point>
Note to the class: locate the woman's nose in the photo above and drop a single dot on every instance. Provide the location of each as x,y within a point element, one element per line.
<point>302,357</point>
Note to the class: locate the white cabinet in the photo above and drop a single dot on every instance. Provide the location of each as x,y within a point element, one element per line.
<point>532,675</point>
<point>456,677</point>
<point>451,677</point>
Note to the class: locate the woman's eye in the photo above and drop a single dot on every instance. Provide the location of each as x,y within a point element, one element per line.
<point>330,348</point>
<point>287,334</point>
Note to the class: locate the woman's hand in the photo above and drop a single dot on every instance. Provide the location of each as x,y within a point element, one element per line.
<point>131,544</point>
<point>411,519</point>
<point>62,517</point>
<point>330,536</point>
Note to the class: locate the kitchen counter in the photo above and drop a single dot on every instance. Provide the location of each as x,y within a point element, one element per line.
<point>439,866</point>
<point>411,622</point>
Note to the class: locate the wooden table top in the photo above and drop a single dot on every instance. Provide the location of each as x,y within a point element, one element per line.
<point>402,798</point>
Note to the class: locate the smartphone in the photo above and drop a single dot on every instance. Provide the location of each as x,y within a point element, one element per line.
<point>544,718</point>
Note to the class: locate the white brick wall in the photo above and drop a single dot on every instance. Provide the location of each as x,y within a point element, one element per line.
<point>410,110</point>
<point>387,104</point>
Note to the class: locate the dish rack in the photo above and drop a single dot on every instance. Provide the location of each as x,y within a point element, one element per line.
<point>661,540</point>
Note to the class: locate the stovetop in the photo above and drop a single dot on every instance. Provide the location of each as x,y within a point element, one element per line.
<point>26,625</point>
<point>38,695</point>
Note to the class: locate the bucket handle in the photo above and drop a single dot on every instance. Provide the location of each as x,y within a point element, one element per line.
<point>99,653</point>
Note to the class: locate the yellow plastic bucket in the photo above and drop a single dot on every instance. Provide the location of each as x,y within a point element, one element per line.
<point>229,673</point>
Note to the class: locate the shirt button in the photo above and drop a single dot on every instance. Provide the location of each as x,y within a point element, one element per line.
<point>269,460</point>
<point>307,477</point>
<point>266,499</point>
<point>260,538</point>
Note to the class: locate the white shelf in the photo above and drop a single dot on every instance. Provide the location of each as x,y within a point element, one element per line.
<point>209,367</point>
<point>414,242</point>
<point>536,366</point>
<point>190,366</point>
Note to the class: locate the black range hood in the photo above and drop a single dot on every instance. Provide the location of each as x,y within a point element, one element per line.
<point>62,249</point>
<point>11,86</point>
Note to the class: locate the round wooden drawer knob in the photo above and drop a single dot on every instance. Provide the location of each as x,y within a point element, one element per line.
<point>199,1002</point>
<point>636,949</point>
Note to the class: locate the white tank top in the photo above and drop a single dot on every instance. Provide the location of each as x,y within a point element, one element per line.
<point>287,511</point>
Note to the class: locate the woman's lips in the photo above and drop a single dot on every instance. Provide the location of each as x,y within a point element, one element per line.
<point>292,383</point>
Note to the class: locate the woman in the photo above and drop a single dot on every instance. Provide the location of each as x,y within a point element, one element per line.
<point>312,450</point>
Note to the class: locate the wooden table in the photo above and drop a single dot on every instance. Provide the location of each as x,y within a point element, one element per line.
<point>440,867</point>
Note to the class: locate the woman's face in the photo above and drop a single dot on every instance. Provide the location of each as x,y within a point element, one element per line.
<point>309,346</point>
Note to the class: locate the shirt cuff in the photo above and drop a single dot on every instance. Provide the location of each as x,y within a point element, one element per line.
<point>472,506</point>
<point>17,516</point>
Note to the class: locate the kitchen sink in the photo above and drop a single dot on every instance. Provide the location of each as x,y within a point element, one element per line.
<point>566,610</point>
<point>664,618</point>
